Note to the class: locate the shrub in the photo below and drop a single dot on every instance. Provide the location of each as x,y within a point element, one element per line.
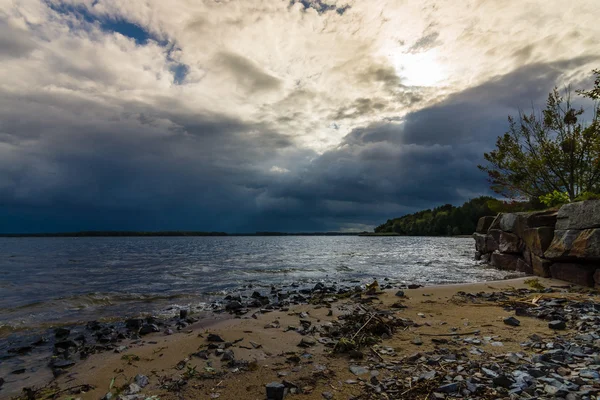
<point>555,198</point>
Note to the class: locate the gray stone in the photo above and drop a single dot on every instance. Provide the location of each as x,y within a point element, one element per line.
<point>149,328</point>
<point>509,243</point>
<point>589,374</point>
<point>538,240</point>
<point>327,395</point>
<point>358,370</point>
<point>575,245</point>
<point>523,266</point>
<point>133,388</point>
<point>485,243</point>
<point>540,266</point>
<point>580,215</point>
<point>449,388</point>
<point>141,380</point>
<point>228,356</point>
<point>400,293</point>
<point>276,391</point>
<point>512,321</point>
<point>484,224</point>
<point>504,261</point>
<point>307,342</point>
<point>233,306</point>
<point>557,325</point>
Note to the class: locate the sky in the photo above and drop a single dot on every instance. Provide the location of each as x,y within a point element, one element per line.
<point>266,115</point>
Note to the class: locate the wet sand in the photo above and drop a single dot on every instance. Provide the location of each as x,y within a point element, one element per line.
<point>165,360</point>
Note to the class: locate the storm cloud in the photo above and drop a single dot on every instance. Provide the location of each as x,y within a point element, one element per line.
<point>254,116</point>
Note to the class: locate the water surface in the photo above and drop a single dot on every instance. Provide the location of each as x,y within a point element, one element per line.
<point>44,281</point>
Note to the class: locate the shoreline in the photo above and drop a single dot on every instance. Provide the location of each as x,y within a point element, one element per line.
<point>185,363</point>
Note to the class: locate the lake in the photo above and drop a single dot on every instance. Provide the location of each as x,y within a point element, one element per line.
<point>46,281</point>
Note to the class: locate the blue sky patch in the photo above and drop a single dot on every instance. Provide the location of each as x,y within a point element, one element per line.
<point>122,26</point>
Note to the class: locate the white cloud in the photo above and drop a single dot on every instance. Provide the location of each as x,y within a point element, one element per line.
<point>296,70</point>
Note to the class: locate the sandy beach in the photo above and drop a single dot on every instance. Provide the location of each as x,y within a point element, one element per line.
<point>266,347</point>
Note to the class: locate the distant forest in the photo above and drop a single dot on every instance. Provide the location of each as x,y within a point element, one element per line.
<point>443,221</point>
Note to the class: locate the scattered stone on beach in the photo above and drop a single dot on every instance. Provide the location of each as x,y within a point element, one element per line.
<point>557,325</point>
<point>183,313</point>
<point>233,306</point>
<point>512,321</point>
<point>276,391</point>
<point>327,395</point>
<point>400,293</point>
<point>133,388</point>
<point>1,382</point>
<point>307,342</point>
<point>358,370</point>
<point>228,356</point>
<point>141,380</point>
<point>214,338</point>
<point>417,341</point>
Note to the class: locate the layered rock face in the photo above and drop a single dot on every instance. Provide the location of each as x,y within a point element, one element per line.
<point>564,244</point>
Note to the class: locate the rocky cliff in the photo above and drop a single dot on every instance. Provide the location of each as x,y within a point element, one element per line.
<point>563,244</point>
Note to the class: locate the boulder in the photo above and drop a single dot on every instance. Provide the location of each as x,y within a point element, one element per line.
<point>509,243</point>
<point>485,243</point>
<point>517,223</point>
<point>578,274</point>
<point>580,215</point>
<point>597,278</point>
<point>506,222</point>
<point>505,261</point>
<point>540,266</point>
<point>484,224</point>
<point>575,244</point>
<point>522,266</point>
<point>538,240</point>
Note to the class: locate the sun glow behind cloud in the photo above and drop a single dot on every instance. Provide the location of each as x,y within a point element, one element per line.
<point>421,69</point>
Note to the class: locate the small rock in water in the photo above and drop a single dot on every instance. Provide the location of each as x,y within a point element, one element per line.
<point>557,325</point>
<point>233,305</point>
<point>512,321</point>
<point>183,314</point>
<point>141,380</point>
<point>61,333</point>
<point>275,391</point>
<point>149,328</point>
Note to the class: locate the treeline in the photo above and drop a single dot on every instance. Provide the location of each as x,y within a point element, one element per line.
<point>442,221</point>
<point>170,233</point>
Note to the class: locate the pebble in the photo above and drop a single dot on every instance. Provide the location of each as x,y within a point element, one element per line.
<point>557,325</point>
<point>512,321</point>
<point>275,391</point>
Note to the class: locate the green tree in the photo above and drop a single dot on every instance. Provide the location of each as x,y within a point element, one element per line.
<point>553,150</point>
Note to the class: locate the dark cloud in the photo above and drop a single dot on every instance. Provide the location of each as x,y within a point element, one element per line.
<point>74,164</point>
<point>247,73</point>
<point>14,42</point>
